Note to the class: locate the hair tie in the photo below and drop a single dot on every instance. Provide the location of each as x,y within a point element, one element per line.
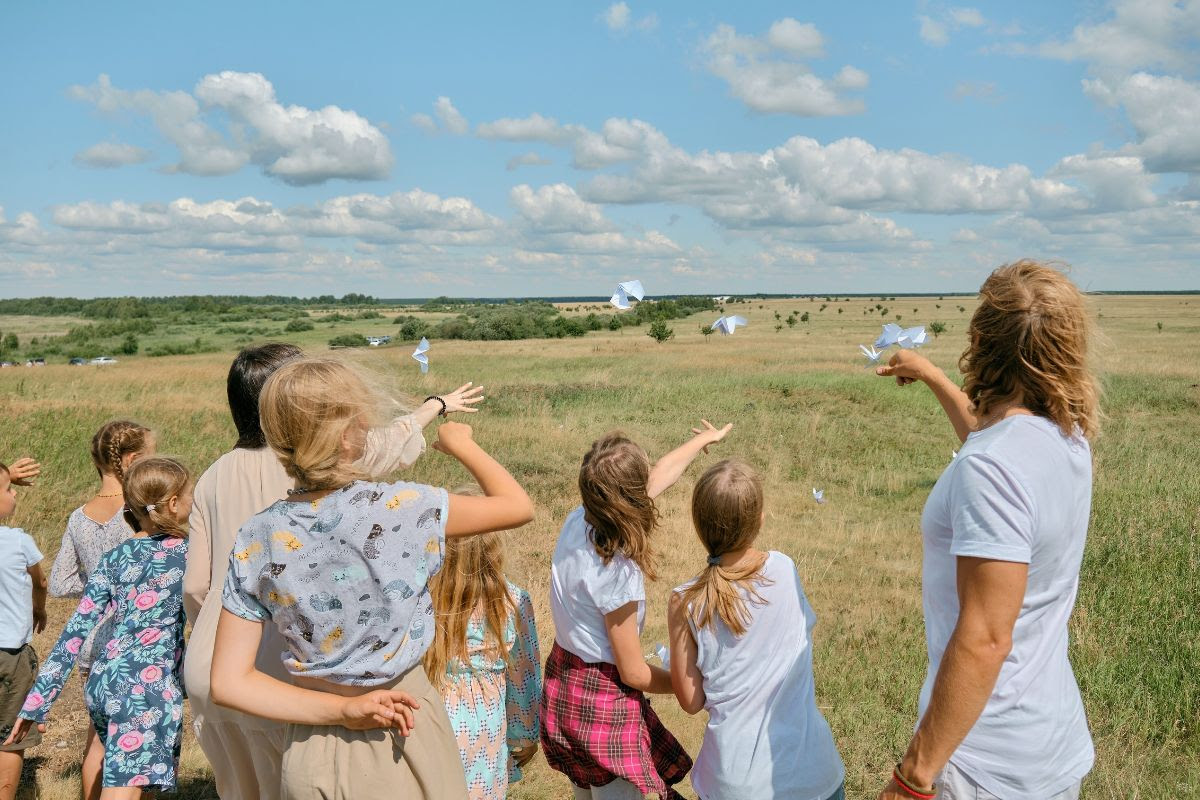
<point>151,507</point>
<point>714,561</point>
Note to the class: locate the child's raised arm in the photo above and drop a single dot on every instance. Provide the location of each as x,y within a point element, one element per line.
<point>670,467</point>
<point>505,504</point>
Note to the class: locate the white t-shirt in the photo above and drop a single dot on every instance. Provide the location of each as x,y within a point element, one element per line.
<point>18,553</point>
<point>1017,491</point>
<point>765,737</point>
<point>583,589</point>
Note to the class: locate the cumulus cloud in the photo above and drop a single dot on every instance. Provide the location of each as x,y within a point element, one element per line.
<point>109,155</point>
<point>424,122</point>
<point>968,17</point>
<point>1165,114</point>
<point>1114,182</point>
<point>1139,34</point>
<point>933,32</point>
<point>297,145</point>
<point>451,119</point>
<point>534,128</point>
<point>557,208</point>
<point>769,74</point>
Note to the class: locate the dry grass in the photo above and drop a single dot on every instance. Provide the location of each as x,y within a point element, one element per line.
<point>806,414</point>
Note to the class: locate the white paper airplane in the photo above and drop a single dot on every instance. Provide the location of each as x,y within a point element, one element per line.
<point>727,325</point>
<point>664,655</point>
<point>626,290</point>
<point>871,353</point>
<point>890,336</point>
<point>818,495</point>
<point>419,355</point>
<point>912,337</point>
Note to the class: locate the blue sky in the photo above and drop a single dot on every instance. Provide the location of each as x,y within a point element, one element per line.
<point>556,148</point>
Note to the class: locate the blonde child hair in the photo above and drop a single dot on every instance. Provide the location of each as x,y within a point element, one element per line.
<point>617,506</point>
<point>1030,335</point>
<point>727,512</point>
<point>149,485</point>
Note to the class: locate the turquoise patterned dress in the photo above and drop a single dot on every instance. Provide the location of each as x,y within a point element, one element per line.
<point>493,707</point>
<point>133,692</point>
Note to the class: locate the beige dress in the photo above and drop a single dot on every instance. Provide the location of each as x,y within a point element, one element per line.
<point>246,752</point>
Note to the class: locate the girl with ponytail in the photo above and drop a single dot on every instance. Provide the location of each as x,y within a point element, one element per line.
<point>738,652</point>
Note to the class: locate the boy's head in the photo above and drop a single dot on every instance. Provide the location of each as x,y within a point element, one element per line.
<point>8,495</point>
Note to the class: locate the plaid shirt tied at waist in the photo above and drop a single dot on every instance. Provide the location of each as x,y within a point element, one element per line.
<point>595,729</point>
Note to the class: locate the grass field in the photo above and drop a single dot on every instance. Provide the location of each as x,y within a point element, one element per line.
<point>806,414</point>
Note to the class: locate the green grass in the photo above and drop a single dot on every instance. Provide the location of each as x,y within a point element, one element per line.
<point>806,414</point>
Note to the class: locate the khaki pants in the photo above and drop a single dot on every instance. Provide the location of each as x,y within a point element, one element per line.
<point>329,762</point>
<point>955,785</point>
<point>246,759</point>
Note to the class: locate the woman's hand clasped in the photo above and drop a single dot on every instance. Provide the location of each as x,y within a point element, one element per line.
<point>382,708</point>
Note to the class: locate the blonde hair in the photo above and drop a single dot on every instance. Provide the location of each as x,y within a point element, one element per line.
<point>1030,336</point>
<point>727,508</point>
<point>616,505</point>
<point>114,441</point>
<point>471,581</point>
<point>149,484</point>
<point>306,407</point>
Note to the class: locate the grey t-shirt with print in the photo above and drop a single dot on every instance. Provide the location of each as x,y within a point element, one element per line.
<point>344,578</point>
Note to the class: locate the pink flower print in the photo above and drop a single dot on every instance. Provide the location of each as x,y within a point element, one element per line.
<point>149,636</point>
<point>33,702</point>
<point>130,741</point>
<point>139,780</point>
<point>132,593</point>
<point>86,605</point>
<point>150,674</point>
<point>110,647</point>
<point>112,728</point>
<point>73,646</point>
<point>172,541</point>
<point>138,689</point>
<point>160,555</point>
<point>168,694</point>
<point>146,599</point>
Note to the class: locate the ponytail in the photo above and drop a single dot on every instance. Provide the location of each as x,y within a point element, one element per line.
<point>727,508</point>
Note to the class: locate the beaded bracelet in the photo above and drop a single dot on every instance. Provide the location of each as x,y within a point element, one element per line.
<point>441,413</point>
<point>909,789</point>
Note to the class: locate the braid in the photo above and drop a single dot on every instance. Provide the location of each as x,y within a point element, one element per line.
<point>113,456</point>
<point>112,442</point>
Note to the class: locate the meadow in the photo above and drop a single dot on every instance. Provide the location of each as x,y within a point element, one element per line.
<point>806,414</point>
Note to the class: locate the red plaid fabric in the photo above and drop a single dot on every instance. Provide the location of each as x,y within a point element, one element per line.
<point>595,729</point>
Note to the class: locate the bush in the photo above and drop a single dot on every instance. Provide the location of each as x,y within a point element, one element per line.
<point>297,325</point>
<point>937,328</point>
<point>659,331</point>
<point>129,347</point>
<point>348,340</point>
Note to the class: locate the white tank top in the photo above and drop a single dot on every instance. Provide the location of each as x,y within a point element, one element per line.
<point>765,737</point>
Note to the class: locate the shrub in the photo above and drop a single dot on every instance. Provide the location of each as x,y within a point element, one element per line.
<point>659,331</point>
<point>348,340</point>
<point>296,325</point>
<point>937,328</point>
<point>130,346</point>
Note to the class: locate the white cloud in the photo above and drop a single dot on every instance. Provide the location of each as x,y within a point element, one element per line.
<point>1114,182</point>
<point>454,121</point>
<point>108,155</point>
<point>534,128</point>
<point>979,90</point>
<point>968,17</point>
<point>933,32</point>
<point>767,75</point>
<point>1140,33</point>
<point>424,122</point>
<point>557,209</point>
<point>1165,114</point>
<point>527,160</point>
<point>298,145</point>
<point>618,17</point>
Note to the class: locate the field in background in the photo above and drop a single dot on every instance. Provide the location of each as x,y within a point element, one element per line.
<point>806,414</point>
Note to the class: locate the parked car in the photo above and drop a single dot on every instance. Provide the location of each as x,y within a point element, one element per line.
<point>102,360</point>
<point>4,364</point>
<point>36,362</point>
<point>77,362</point>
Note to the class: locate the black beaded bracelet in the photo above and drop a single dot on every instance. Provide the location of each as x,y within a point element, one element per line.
<point>441,413</point>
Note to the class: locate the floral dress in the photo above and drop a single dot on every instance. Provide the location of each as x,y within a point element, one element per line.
<point>493,706</point>
<point>133,693</point>
<point>84,543</point>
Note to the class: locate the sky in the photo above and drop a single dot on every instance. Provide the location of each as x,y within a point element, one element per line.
<point>550,148</point>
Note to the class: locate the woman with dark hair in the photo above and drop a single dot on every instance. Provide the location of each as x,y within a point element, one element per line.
<point>1003,533</point>
<point>246,751</point>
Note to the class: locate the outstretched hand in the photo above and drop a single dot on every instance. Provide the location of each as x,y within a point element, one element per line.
<point>906,366</point>
<point>709,434</point>
<point>463,398</point>
<point>22,471</point>
<point>21,729</point>
<point>382,708</point>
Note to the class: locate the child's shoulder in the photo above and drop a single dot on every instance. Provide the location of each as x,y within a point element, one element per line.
<point>18,537</point>
<point>519,595</point>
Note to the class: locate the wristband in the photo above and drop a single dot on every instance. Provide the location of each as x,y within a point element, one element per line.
<point>441,413</point>
<point>909,789</point>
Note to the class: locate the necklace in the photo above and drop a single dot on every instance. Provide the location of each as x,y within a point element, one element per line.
<point>115,494</point>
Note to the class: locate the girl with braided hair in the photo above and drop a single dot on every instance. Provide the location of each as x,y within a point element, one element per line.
<point>92,530</point>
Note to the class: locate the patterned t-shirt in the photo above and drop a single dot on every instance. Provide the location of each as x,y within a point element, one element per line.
<point>344,578</point>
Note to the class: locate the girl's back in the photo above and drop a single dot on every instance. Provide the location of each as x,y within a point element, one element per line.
<point>144,578</point>
<point>765,736</point>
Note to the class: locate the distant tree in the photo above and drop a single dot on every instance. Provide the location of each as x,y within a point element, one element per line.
<point>804,317</point>
<point>348,340</point>
<point>706,330</point>
<point>778,327</point>
<point>883,312</point>
<point>1160,327</point>
<point>659,331</point>
<point>297,325</point>
<point>130,346</point>
<point>614,323</point>
<point>791,320</point>
<point>11,342</point>
<point>840,310</point>
<point>938,328</point>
